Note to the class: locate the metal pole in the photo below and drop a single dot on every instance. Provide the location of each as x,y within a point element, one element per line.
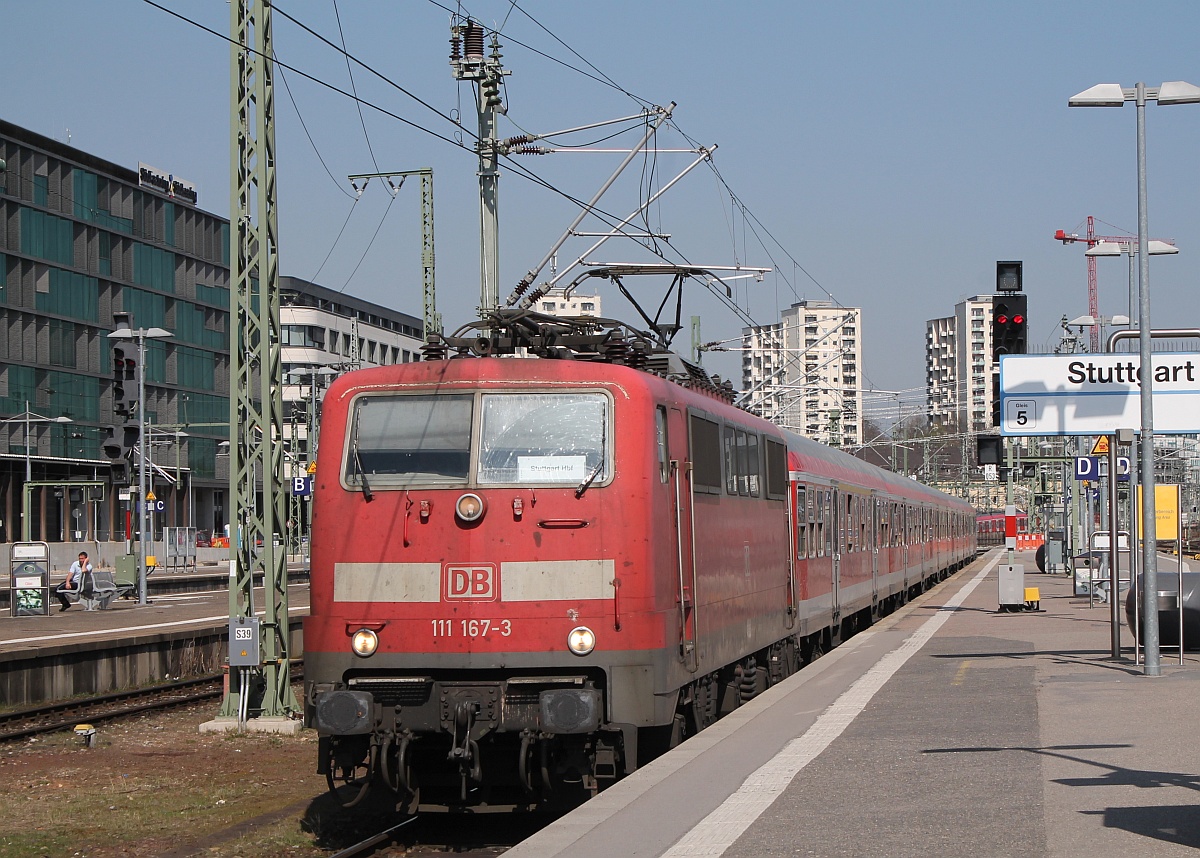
<point>28,463</point>
<point>141,335</point>
<point>1149,532</point>
<point>1133,544</point>
<point>1114,577</point>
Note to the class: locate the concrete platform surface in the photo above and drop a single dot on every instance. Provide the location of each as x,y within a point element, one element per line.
<point>125,621</point>
<point>948,729</point>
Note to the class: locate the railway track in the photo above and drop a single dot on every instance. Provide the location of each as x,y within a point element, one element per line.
<point>433,835</point>
<point>100,708</point>
<point>107,707</point>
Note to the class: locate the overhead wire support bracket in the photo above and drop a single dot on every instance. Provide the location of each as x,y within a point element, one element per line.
<point>536,295</point>
<point>663,115</point>
<point>431,319</point>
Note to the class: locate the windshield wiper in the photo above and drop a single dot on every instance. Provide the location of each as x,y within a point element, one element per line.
<point>583,487</point>
<point>368,495</point>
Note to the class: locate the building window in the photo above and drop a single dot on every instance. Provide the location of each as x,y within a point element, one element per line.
<point>304,336</point>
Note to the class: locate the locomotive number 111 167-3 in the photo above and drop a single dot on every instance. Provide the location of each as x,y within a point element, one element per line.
<point>470,628</point>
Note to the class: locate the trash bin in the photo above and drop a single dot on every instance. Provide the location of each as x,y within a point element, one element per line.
<point>29,580</point>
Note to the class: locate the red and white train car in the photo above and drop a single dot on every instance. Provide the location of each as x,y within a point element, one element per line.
<point>529,575</point>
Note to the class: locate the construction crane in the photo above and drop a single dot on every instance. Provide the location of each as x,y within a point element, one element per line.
<point>1093,293</point>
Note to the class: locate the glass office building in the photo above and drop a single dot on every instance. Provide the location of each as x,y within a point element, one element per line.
<point>81,239</point>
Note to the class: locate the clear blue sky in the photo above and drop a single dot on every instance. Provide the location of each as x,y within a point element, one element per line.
<point>894,151</point>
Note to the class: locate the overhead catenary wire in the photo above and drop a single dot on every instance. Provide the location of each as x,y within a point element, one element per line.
<point>353,87</point>
<point>668,253</point>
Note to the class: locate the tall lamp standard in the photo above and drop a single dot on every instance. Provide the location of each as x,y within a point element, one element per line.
<point>29,417</point>
<point>1114,248</point>
<point>141,335</point>
<point>1115,95</point>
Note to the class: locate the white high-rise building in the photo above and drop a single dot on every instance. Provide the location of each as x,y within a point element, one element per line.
<point>804,372</point>
<point>556,303</point>
<point>959,367</point>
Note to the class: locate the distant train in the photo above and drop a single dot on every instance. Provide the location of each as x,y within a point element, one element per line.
<point>989,526</point>
<point>531,575</point>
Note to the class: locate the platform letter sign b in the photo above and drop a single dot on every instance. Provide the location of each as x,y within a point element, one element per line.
<point>470,583</point>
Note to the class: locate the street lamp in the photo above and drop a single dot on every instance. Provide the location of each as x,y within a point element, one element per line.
<point>29,417</point>
<point>1115,248</point>
<point>141,335</point>
<point>1090,321</point>
<point>1115,95</point>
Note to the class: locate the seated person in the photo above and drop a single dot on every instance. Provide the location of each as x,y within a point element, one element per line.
<point>74,582</point>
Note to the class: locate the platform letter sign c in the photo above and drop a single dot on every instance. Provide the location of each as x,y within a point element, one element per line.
<point>474,583</point>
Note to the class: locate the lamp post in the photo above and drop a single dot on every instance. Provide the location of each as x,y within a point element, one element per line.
<point>1115,248</point>
<point>1115,95</point>
<point>29,417</point>
<point>1101,322</point>
<point>141,335</point>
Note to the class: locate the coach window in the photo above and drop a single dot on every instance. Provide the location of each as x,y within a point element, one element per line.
<point>849,523</point>
<point>801,524</point>
<point>818,520</point>
<point>731,460</point>
<point>660,432</point>
<point>743,464</point>
<point>409,440</point>
<point>752,464</point>
<point>544,438</point>
<point>829,534</point>
<point>777,475</point>
<point>706,454</point>
<point>814,547</point>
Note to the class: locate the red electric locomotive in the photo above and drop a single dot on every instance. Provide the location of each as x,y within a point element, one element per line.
<point>530,574</point>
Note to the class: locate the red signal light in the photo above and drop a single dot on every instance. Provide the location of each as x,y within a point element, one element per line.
<point>1018,320</point>
<point>1002,319</point>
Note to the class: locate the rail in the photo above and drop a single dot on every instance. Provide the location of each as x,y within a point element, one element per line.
<point>55,717</point>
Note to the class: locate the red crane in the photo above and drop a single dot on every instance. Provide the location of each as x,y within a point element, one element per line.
<point>1093,293</point>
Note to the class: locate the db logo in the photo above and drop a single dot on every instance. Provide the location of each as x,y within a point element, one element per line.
<point>470,583</point>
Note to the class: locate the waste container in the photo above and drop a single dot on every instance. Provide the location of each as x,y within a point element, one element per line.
<point>29,580</point>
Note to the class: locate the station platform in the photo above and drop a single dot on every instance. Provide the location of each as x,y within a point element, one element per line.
<point>193,599</point>
<point>181,632</point>
<point>948,728</point>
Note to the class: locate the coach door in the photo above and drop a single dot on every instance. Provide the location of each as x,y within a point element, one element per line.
<point>679,484</point>
<point>837,521</point>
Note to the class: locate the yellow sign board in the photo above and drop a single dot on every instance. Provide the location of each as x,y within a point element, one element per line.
<point>150,496</point>
<point>1166,511</point>
<point>312,468</point>
<point>1100,448</point>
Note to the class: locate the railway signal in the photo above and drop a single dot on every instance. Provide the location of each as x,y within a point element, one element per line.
<point>1009,324</point>
<point>127,370</point>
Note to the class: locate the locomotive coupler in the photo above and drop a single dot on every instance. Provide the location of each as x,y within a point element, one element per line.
<point>464,750</point>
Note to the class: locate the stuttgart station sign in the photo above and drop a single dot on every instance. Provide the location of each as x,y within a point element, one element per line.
<point>1096,394</point>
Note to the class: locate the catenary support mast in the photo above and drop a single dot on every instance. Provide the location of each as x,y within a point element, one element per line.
<point>256,406</point>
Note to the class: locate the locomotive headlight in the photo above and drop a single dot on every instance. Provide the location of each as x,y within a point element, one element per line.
<point>364,642</point>
<point>470,507</point>
<point>581,640</point>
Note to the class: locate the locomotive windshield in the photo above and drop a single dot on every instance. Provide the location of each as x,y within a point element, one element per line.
<point>411,439</point>
<point>521,439</point>
<point>543,438</point>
